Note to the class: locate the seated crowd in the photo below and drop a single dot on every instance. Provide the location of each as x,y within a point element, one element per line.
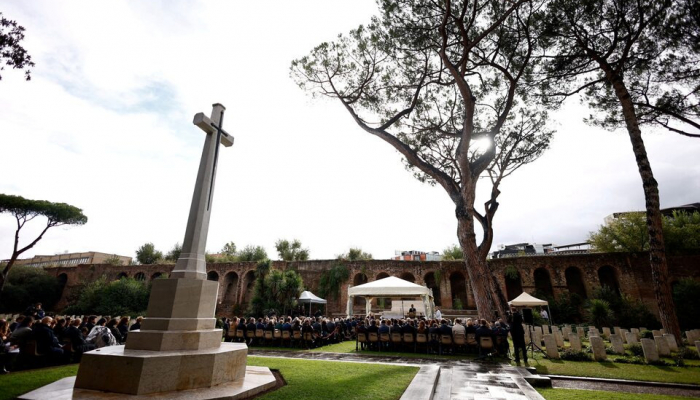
<point>57,340</point>
<point>287,330</point>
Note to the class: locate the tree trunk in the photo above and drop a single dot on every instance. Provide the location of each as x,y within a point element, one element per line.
<point>477,269</point>
<point>657,249</point>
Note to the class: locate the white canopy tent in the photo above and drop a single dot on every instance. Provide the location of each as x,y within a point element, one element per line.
<point>310,298</point>
<point>527,300</point>
<point>391,287</point>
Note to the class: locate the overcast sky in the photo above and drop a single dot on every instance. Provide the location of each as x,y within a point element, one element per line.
<point>105,124</point>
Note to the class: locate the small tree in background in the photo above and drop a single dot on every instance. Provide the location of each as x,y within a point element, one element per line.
<point>147,254</point>
<point>174,253</point>
<point>355,254</point>
<point>252,253</point>
<point>12,54</point>
<point>453,252</point>
<point>686,292</point>
<point>25,210</point>
<point>113,260</point>
<point>628,233</point>
<point>291,251</point>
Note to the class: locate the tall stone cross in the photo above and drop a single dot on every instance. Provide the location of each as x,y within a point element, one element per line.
<point>192,263</point>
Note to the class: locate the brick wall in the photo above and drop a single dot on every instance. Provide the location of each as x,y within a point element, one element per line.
<point>448,278</point>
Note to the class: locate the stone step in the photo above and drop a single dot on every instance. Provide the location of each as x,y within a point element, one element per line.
<point>423,385</point>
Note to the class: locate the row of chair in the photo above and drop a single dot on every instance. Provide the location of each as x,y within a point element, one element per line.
<point>262,337</point>
<point>485,346</point>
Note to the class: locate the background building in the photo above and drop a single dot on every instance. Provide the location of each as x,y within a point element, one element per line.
<point>68,259</point>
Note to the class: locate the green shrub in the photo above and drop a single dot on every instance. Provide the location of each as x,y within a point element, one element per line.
<point>599,312</point>
<point>631,360</point>
<point>571,355</point>
<point>126,296</point>
<point>688,354</point>
<point>646,334</point>
<point>29,285</point>
<point>686,293</point>
<point>636,349</point>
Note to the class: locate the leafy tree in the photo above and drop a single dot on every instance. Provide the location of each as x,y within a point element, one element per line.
<point>686,293</point>
<point>147,254</point>
<point>331,281</point>
<point>252,253</point>
<point>274,290</point>
<point>453,252</point>
<point>291,251</point>
<point>633,68</point>
<point>29,285</point>
<point>446,85</point>
<point>12,54</point>
<point>113,260</point>
<point>355,254</point>
<point>628,233</point>
<point>126,296</point>
<point>25,210</point>
<point>229,249</point>
<point>599,312</point>
<point>174,253</point>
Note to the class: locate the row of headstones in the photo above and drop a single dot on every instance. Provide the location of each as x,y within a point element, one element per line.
<point>662,344</point>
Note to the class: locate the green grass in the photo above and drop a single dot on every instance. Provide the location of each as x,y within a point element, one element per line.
<point>18,383</point>
<point>574,394</point>
<point>612,370</point>
<point>310,379</point>
<point>349,347</point>
<point>306,379</point>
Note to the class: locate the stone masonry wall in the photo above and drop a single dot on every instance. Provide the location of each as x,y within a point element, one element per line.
<point>448,279</point>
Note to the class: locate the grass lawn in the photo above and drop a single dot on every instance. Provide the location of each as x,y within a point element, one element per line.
<point>306,379</point>
<point>573,394</point>
<point>612,370</point>
<point>18,383</point>
<point>349,347</point>
<point>310,379</point>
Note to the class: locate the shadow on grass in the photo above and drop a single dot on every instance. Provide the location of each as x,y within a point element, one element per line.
<point>607,364</point>
<point>666,368</point>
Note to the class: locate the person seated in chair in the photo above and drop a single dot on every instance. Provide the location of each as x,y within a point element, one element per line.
<point>77,340</point>
<point>483,330</point>
<point>47,342</point>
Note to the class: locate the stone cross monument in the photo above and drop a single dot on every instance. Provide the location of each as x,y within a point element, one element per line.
<point>178,350</point>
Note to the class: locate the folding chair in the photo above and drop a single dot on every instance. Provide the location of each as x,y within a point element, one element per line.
<point>486,347</point>
<point>422,338</point>
<point>384,340</point>
<point>277,336</point>
<point>445,340</point>
<point>250,335</point>
<point>296,335</point>
<point>459,341</point>
<point>408,339</point>
<point>361,341</point>
<point>268,337</point>
<point>286,337</point>
<point>259,335</point>
<point>308,339</point>
<point>396,341</point>
<point>472,344</point>
<point>240,335</point>
<point>373,339</point>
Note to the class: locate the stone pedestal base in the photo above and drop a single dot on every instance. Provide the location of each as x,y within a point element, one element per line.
<point>139,372</point>
<point>256,380</point>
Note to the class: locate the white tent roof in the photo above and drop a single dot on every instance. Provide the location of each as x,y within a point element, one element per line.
<point>308,297</point>
<point>389,287</point>
<point>526,300</point>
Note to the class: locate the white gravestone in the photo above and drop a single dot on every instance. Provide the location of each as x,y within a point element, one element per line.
<point>636,332</point>
<point>598,347</point>
<point>672,344</point>
<point>691,336</point>
<point>559,339</point>
<point>649,348</point>
<point>617,345</point>
<point>551,346</point>
<point>539,329</point>
<point>606,332</point>
<point>697,346</point>
<point>565,332</point>
<point>631,338</point>
<point>662,346</point>
<point>579,332</point>
<point>618,330</point>
<point>537,337</point>
<point>656,332</point>
<point>575,342</point>
<point>663,331</point>
<point>623,335</point>
<point>593,332</point>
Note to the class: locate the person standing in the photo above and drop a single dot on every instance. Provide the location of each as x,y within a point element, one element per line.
<point>438,313</point>
<point>517,332</point>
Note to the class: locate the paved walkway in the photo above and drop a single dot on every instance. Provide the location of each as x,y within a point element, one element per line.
<point>440,379</point>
